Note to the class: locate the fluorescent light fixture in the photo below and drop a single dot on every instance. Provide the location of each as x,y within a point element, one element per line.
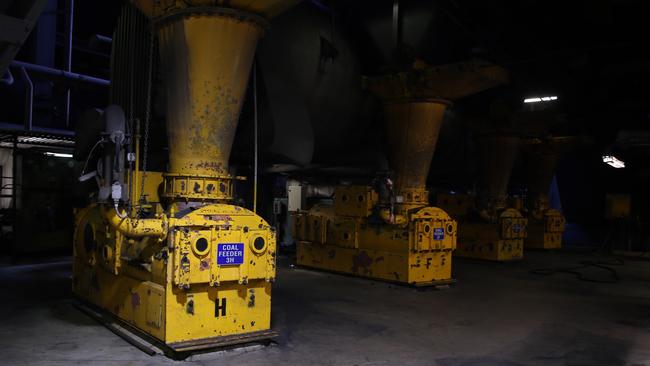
<point>540,99</point>
<point>613,162</point>
<point>58,155</point>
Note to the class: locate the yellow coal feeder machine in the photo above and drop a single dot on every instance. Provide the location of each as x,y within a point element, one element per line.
<point>390,232</point>
<point>545,224</point>
<point>488,228</point>
<point>196,271</point>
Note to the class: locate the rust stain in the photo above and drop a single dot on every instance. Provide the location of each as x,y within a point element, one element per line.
<point>216,166</point>
<point>205,265</point>
<point>226,218</point>
<point>379,259</point>
<point>362,260</point>
<point>135,300</point>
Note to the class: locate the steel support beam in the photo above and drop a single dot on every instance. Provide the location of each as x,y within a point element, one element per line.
<point>60,73</point>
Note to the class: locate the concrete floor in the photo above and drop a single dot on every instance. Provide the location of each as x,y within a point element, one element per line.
<point>497,314</point>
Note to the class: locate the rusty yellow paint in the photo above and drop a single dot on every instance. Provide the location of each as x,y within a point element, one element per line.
<point>173,289</point>
<point>502,240</point>
<point>546,233</point>
<point>137,228</point>
<point>412,127</point>
<point>355,201</point>
<point>447,82</point>
<point>457,205</point>
<point>161,272</point>
<point>398,236</point>
<point>265,8</point>
<point>351,241</point>
<point>152,182</point>
<point>206,60</point>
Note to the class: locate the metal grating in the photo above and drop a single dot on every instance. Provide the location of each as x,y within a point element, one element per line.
<point>35,139</point>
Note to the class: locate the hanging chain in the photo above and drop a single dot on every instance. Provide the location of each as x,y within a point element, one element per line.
<point>147,115</point>
<point>132,131</point>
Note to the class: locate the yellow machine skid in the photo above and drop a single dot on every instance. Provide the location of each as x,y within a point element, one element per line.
<point>414,269</point>
<point>184,292</point>
<point>480,241</point>
<point>342,238</point>
<point>547,232</point>
<point>500,241</point>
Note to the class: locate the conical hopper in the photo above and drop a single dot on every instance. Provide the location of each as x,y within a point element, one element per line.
<point>206,56</point>
<point>541,158</point>
<point>414,106</point>
<point>413,129</point>
<point>206,61</point>
<point>496,158</point>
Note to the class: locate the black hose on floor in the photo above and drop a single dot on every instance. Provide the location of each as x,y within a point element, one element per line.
<point>604,265</point>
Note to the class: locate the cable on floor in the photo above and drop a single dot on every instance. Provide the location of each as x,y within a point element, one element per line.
<point>603,265</point>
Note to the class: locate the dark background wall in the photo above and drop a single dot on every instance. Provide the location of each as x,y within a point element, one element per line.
<point>316,121</point>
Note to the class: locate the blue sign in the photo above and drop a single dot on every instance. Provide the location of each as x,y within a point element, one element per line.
<point>516,228</point>
<point>230,254</point>
<point>438,233</point>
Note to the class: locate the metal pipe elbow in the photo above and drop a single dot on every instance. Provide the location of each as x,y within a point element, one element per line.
<point>392,219</point>
<point>137,228</point>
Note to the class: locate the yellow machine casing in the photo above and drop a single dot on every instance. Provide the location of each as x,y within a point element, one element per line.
<point>181,295</point>
<point>496,241</point>
<point>546,233</point>
<point>501,240</point>
<point>346,237</point>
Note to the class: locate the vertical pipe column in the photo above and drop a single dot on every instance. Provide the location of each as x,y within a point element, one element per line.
<point>29,99</point>
<point>14,193</point>
<point>255,133</point>
<point>68,54</point>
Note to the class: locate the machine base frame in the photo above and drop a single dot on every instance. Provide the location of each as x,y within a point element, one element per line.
<point>178,350</point>
<point>400,264</point>
<point>483,241</point>
<point>442,284</point>
<point>539,238</point>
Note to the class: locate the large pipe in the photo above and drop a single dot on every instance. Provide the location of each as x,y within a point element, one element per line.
<point>96,39</point>
<point>255,139</point>
<point>60,73</point>
<point>8,78</point>
<point>68,54</point>
<point>137,228</point>
<point>29,99</point>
